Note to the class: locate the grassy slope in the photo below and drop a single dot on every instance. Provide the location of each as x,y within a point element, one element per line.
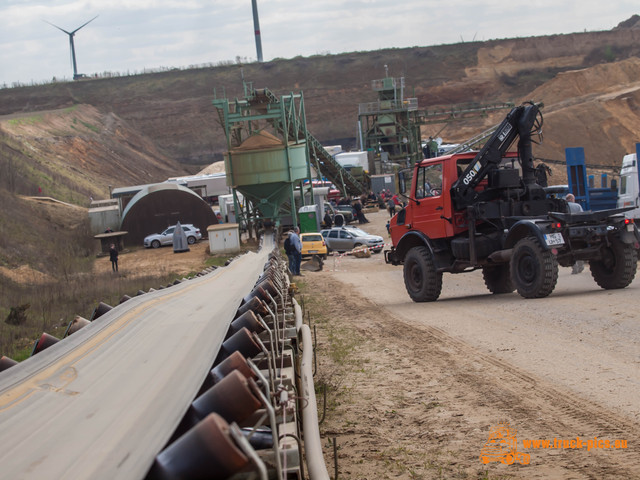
<point>174,108</point>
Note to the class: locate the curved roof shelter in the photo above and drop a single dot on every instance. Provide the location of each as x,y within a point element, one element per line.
<point>158,206</point>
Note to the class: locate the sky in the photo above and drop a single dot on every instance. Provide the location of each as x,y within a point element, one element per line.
<point>132,36</point>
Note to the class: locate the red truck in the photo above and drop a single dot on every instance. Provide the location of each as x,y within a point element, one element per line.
<point>489,210</point>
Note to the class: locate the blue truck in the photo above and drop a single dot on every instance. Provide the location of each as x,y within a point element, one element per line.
<point>609,194</point>
<point>592,198</point>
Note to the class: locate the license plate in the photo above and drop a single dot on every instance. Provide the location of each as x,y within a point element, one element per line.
<point>629,227</point>
<point>313,251</point>
<point>554,239</point>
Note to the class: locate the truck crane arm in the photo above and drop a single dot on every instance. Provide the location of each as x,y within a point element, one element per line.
<point>520,122</point>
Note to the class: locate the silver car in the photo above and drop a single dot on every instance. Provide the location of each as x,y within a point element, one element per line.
<point>157,240</point>
<point>343,239</point>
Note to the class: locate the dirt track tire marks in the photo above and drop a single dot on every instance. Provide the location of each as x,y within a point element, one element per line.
<point>470,392</point>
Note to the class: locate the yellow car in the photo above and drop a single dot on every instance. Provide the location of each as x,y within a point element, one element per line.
<point>313,244</point>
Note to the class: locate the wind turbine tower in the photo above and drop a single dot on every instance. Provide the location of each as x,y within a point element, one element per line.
<point>256,28</point>
<point>71,34</point>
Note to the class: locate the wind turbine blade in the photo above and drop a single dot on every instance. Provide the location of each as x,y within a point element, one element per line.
<point>62,29</point>
<point>84,24</point>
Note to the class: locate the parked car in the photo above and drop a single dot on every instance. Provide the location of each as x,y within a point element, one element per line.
<point>157,240</point>
<point>347,238</point>
<point>313,244</point>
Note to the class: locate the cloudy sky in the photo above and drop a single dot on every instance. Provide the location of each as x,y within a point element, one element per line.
<point>133,35</point>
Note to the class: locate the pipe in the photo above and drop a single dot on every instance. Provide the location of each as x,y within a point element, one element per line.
<point>207,451</point>
<point>298,313</point>
<point>232,398</point>
<point>235,361</point>
<point>501,256</point>
<point>312,444</point>
<point>249,320</point>
<point>76,324</point>
<point>44,342</point>
<point>6,362</point>
<point>100,310</point>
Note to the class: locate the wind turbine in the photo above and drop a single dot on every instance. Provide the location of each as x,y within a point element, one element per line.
<point>71,34</point>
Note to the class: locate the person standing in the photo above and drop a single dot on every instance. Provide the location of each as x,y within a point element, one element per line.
<point>433,147</point>
<point>113,256</point>
<point>328,222</point>
<point>359,214</point>
<point>574,207</point>
<point>391,206</point>
<point>288,250</point>
<point>297,251</point>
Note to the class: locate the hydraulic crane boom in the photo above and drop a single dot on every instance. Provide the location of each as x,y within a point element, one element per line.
<point>521,122</point>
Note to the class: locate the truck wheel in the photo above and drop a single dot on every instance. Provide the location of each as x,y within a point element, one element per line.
<point>498,279</point>
<point>421,280</point>
<point>534,270</point>
<point>617,268</point>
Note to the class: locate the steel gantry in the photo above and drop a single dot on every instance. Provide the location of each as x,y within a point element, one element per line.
<point>271,152</point>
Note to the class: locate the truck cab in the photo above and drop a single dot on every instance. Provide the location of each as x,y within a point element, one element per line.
<point>428,189</point>
<point>629,190</point>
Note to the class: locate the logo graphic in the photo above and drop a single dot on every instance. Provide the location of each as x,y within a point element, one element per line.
<point>502,446</point>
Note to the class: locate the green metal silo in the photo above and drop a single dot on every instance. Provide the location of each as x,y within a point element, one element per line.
<point>265,170</point>
<point>265,167</point>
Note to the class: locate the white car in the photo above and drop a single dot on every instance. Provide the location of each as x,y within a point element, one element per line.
<point>157,240</point>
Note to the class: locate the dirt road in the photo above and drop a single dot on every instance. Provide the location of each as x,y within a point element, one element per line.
<point>418,388</point>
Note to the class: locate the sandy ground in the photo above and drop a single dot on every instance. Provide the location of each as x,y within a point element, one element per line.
<point>419,387</point>
<point>157,261</point>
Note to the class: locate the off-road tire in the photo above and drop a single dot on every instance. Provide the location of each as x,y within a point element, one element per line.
<point>191,240</point>
<point>155,244</point>
<point>617,268</point>
<point>534,270</point>
<point>498,278</point>
<point>421,280</point>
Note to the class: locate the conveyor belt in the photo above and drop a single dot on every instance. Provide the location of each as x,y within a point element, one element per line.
<point>102,403</point>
